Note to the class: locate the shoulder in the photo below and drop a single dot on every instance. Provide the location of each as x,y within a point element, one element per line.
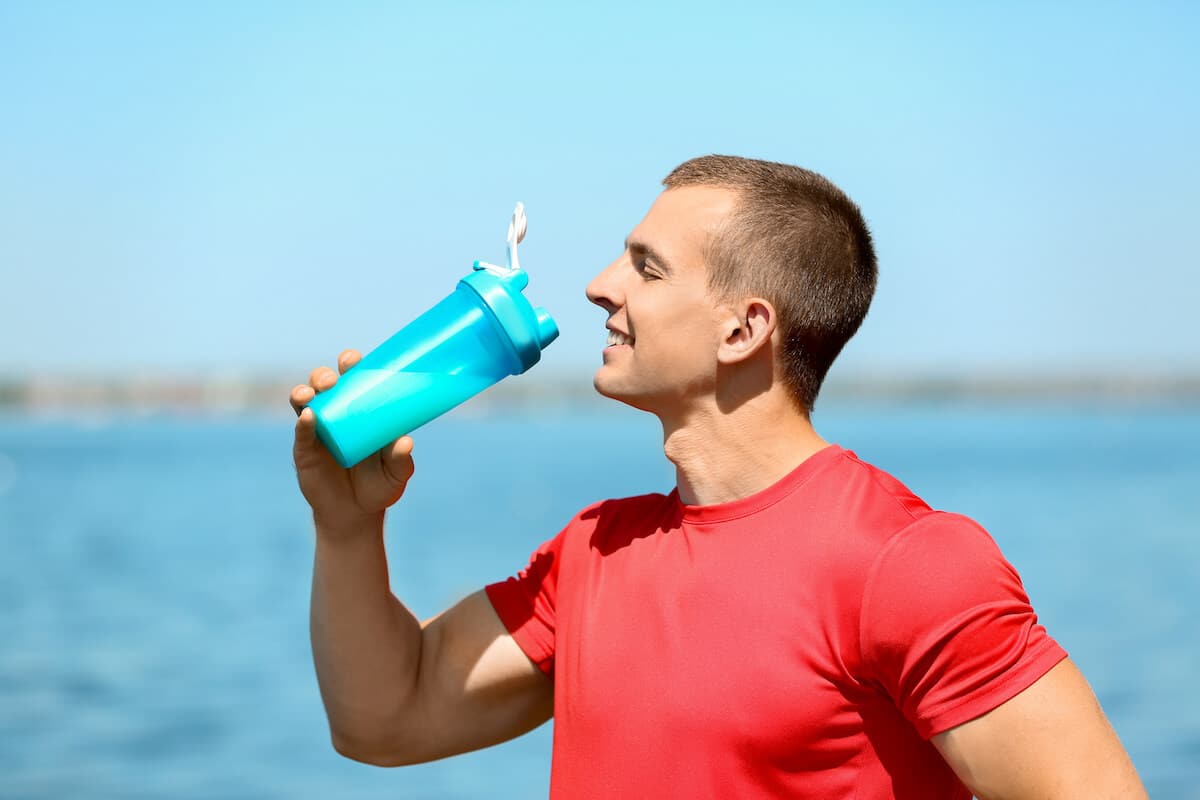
<point>941,578</point>
<point>875,488</point>
<point>634,504</point>
<point>851,511</point>
<point>939,562</point>
<point>943,550</point>
<point>605,521</point>
<point>946,626</point>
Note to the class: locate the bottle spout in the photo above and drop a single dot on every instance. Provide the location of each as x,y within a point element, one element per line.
<point>517,279</point>
<point>547,328</point>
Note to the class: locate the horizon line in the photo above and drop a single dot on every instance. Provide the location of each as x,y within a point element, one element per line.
<point>233,393</point>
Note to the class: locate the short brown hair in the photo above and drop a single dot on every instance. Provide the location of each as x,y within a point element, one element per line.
<point>797,240</point>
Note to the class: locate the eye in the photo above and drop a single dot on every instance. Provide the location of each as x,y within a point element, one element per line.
<point>647,270</point>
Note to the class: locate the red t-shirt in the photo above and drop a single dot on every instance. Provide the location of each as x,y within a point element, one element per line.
<point>804,642</point>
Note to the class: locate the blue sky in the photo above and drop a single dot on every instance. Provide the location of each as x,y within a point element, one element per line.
<point>242,188</point>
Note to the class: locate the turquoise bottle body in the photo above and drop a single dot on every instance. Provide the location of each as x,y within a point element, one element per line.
<point>482,332</point>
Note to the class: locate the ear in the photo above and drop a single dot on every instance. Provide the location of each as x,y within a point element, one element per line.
<point>747,328</point>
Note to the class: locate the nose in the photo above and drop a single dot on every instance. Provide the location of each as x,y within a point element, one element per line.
<point>605,289</point>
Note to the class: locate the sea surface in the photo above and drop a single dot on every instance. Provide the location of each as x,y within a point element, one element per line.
<point>154,579</point>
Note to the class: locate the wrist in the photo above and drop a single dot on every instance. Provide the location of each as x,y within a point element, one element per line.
<point>348,527</point>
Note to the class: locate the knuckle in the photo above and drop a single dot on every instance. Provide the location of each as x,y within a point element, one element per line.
<point>348,359</point>
<point>320,376</point>
<point>300,396</point>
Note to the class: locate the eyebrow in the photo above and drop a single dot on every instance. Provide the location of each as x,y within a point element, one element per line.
<point>636,247</point>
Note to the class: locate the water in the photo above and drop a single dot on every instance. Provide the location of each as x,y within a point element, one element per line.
<point>154,580</point>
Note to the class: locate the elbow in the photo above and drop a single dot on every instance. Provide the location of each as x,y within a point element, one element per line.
<point>376,751</point>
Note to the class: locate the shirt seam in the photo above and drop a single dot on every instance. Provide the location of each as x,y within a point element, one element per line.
<point>872,572</point>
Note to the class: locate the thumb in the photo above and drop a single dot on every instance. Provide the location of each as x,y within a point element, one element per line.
<point>308,449</point>
<point>306,427</point>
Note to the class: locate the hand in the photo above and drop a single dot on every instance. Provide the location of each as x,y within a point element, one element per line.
<point>344,499</point>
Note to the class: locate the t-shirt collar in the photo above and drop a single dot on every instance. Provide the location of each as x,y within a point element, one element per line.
<point>762,499</point>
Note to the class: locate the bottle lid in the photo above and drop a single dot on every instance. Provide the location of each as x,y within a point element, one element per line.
<point>529,329</point>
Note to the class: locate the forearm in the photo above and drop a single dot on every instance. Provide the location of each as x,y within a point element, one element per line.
<point>366,644</point>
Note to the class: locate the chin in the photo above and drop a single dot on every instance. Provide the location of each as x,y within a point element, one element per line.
<point>604,387</point>
<point>613,391</point>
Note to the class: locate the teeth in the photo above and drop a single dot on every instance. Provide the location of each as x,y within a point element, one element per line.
<point>615,337</point>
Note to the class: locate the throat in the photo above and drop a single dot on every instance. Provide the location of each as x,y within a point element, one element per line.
<point>720,465</point>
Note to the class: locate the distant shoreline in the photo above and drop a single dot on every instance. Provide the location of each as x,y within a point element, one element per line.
<point>154,394</point>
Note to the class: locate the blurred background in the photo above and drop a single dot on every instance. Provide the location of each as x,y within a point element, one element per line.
<point>201,202</point>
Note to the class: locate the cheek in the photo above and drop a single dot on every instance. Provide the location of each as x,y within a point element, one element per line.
<point>686,340</point>
<point>677,324</point>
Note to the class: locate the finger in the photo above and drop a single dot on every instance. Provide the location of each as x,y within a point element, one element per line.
<point>322,378</point>
<point>397,461</point>
<point>348,359</point>
<point>302,394</point>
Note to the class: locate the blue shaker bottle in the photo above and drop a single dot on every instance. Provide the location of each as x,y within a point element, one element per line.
<point>482,332</point>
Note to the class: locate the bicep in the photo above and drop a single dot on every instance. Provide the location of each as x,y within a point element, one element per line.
<point>1051,740</point>
<point>476,687</point>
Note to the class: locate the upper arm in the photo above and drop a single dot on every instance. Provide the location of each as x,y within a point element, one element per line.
<point>1049,741</point>
<point>475,686</point>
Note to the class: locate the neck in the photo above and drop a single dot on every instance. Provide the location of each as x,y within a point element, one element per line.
<point>721,456</point>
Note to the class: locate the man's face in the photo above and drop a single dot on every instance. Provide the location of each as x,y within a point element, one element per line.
<point>662,322</point>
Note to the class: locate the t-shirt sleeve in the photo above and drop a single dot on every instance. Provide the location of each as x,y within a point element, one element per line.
<point>947,628</point>
<point>526,603</point>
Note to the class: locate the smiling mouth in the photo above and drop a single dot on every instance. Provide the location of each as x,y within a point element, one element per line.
<point>618,338</point>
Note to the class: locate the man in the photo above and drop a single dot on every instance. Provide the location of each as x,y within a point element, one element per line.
<point>789,622</point>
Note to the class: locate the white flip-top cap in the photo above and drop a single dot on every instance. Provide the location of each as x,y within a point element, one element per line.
<point>516,232</point>
<point>517,227</point>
